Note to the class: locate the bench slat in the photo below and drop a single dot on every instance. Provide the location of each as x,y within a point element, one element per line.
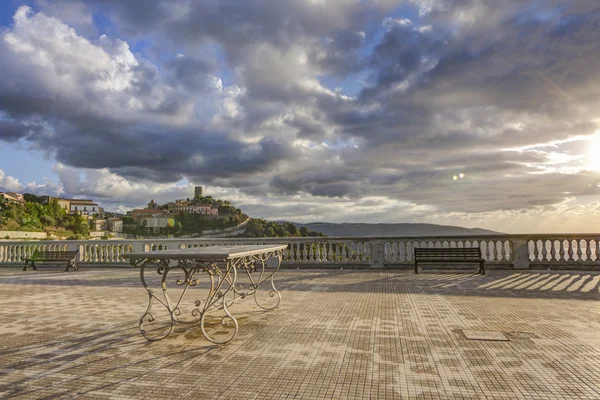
<point>53,255</point>
<point>443,255</point>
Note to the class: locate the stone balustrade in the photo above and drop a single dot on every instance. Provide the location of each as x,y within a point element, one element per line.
<point>502,251</point>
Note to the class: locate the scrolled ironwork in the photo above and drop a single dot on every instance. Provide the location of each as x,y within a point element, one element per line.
<point>223,292</point>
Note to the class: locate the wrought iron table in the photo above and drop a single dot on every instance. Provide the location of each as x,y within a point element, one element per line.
<point>220,264</point>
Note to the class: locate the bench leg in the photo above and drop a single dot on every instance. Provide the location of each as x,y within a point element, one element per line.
<point>482,268</point>
<point>32,265</point>
<point>416,268</point>
<point>71,264</point>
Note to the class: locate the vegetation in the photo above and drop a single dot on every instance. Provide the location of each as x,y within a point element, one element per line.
<point>258,227</point>
<point>195,223</point>
<point>33,216</point>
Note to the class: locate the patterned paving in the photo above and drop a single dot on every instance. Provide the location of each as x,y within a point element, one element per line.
<point>342,334</point>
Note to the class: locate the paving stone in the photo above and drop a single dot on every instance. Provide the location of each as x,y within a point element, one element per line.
<point>485,335</point>
<point>338,334</point>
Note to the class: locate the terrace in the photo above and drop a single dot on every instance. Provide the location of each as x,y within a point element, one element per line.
<point>354,322</point>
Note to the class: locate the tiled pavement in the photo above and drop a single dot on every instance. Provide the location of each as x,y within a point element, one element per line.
<point>343,334</point>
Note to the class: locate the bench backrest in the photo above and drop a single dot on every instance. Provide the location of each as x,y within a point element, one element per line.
<point>458,253</point>
<point>54,255</point>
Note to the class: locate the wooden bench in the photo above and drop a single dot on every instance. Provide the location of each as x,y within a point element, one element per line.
<point>449,255</point>
<point>53,256</point>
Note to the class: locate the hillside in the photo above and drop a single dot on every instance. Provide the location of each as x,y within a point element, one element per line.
<point>400,229</point>
<point>37,216</point>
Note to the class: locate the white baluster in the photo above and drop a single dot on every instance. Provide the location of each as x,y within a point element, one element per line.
<point>544,250</point>
<point>588,249</point>
<point>571,250</point>
<point>561,250</point>
<point>552,250</point>
<point>579,250</point>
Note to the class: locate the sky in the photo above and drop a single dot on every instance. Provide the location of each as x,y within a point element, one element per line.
<point>461,112</point>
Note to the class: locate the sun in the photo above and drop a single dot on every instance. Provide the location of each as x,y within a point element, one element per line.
<point>593,154</point>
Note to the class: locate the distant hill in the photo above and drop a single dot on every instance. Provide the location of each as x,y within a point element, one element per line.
<point>400,229</point>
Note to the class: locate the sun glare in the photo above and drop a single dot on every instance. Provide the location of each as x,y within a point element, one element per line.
<point>593,155</point>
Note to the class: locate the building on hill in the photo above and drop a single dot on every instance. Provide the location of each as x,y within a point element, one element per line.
<point>84,207</point>
<point>80,206</point>
<point>99,225</point>
<point>155,223</point>
<point>154,220</point>
<point>114,225</point>
<point>152,205</point>
<point>138,213</point>
<point>207,210</point>
<point>12,197</point>
<point>65,204</point>
<point>197,192</point>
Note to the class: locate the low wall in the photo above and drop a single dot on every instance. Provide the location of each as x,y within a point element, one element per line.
<point>231,231</point>
<point>226,234</point>
<point>575,251</point>
<point>22,235</point>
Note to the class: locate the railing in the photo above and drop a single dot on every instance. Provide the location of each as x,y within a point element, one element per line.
<point>508,251</point>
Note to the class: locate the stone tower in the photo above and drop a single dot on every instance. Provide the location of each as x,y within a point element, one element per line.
<point>197,192</point>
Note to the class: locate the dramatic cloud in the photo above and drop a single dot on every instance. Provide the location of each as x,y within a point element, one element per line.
<point>467,108</point>
<point>9,183</point>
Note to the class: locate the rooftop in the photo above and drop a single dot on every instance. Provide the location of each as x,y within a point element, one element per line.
<point>345,334</point>
<point>77,200</point>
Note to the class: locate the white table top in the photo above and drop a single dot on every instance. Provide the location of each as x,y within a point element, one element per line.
<point>217,252</point>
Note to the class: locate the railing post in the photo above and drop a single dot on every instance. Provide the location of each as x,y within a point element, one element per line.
<point>138,247</point>
<point>377,253</point>
<point>520,253</point>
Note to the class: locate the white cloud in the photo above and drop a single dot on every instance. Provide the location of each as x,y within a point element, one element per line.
<point>9,183</point>
<point>66,60</point>
<point>46,58</point>
<point>389,23</point>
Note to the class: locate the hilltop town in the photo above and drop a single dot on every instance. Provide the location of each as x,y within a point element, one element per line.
<point>27,216</point>
<point>190,216</point>
<point>79,218</point>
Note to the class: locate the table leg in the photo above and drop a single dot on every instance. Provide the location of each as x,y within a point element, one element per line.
<point>217,299</point>
<point>273,292</point>
<point>148,316</point>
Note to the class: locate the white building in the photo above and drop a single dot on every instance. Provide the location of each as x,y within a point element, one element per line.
<point>155,223</point>
<point>99,225</point>
<point>12,197</point>
<point>208,210</point>
<point>115,225</point>
<point>83,207</point>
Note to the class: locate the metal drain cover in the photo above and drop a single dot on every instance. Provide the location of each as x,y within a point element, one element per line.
<point>485,335</point>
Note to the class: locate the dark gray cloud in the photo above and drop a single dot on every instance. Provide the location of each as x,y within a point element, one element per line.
<point>444,94</point>
<point>12,130</point>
